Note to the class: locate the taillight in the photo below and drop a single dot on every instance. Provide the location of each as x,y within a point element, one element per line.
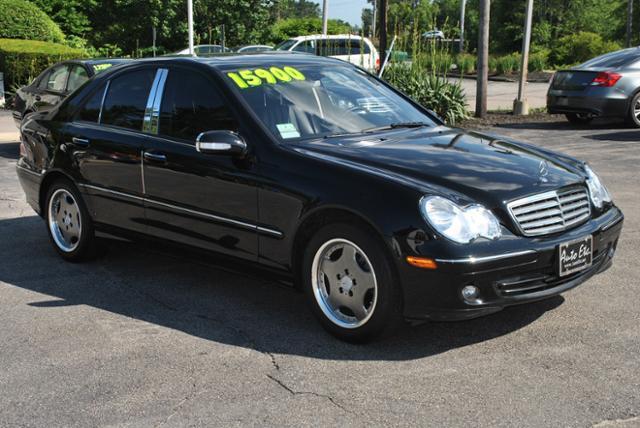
<point>606,79</point>
<point>377,63</point>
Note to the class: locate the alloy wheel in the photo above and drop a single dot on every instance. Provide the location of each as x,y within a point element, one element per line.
<point>344,283</point>
<point>65,221</point>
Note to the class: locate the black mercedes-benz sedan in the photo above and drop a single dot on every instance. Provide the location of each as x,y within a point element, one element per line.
<point>313,167</point>
<point>55,83</point>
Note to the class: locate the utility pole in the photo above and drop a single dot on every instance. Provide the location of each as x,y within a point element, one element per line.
<point>373,22</point>
<point>463,4</point>
<point>483,59</point>
<point>520,105</point>
<point>383,31</point>
<point>629,21</point>
<point>325,16</point>
<point>190,24</point>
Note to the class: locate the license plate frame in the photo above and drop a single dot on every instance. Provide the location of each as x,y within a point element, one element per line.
<point>562,101</point>
<point>575,255</point>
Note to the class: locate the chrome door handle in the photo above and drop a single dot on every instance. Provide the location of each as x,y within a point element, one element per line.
<point>81,142</point>
<point>155,157</point>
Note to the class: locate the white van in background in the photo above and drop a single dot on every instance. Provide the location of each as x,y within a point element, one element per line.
<point>347,47</point>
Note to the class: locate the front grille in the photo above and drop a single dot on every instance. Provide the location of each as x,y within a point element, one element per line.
<point>551,212</point>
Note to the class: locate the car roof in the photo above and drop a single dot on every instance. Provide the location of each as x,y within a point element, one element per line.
<point>257,59</point>
<point>97,61</point>
<point>616,59</point>
<point>329,36</point>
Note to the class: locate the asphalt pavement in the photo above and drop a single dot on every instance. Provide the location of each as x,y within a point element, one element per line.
<point>147,337</point>
<point>501,94</point>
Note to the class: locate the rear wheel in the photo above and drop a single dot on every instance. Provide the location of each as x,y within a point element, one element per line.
<point>350,284</point>
<point>579,118</point>
<point>68,222</point>
<point>633,115</point>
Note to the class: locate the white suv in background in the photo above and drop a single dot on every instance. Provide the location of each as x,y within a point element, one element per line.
<point>347,47</point>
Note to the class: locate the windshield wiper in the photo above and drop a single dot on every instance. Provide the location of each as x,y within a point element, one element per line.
<point>396,125</point>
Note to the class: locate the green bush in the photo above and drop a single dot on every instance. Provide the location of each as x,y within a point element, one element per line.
<point>466,63</point>
<point>579,47</point>
<point>539,60</point>
<point>439,62</point>
<point>430,90</point>
<point>493,64</point>
<point>508,64</point>
<point>22,60</point>
<point>21,19</point>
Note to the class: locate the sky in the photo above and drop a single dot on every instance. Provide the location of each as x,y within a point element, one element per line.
<point>347,10</point>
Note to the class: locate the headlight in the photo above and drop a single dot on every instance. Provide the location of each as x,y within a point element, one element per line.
<point>461,225</point>
<point>599,194</point>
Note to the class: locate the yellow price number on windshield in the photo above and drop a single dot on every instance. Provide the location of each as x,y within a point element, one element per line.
<point>259,76</point>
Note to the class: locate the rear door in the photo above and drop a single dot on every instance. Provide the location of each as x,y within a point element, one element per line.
<point>205,200</point>
<point>105,141</point>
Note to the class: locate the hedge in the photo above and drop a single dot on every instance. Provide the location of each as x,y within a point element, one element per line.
<point>22,60</point>
<point>21,19</point>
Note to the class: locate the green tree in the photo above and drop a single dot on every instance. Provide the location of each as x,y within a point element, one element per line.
<point>285,9</point>
<point>293,27</point>
<point>70,15</point>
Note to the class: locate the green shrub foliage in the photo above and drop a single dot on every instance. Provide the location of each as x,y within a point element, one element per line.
<point>21,19</point>
<point>580,47</point>
<point>430,90</point>
<point>22,60</point>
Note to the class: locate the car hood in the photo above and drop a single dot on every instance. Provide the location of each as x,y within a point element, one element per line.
<point>478,167</point>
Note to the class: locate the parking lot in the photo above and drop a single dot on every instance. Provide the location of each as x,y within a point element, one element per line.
<point>145,337</point>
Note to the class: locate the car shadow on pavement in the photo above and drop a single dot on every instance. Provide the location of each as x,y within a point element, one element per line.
<point>192,295</point>
<point>566,125</point>
<point>10,150</point>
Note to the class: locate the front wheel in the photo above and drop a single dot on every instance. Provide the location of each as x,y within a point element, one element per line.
<point>579,118</point>
<point>350,284</point>
<point>68,222</point>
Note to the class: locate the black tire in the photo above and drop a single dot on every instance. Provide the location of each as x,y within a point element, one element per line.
<point>578,118</point>
<point>633,114</point>
<point>83,247</point>
<point>386,314</point>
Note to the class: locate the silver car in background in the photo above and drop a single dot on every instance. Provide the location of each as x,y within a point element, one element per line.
<point>606,86</point>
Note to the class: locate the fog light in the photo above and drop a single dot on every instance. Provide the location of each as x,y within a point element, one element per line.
<point>612,252</point>
<point>470,293</point>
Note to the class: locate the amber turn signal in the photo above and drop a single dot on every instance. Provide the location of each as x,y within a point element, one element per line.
<point>422,262</point>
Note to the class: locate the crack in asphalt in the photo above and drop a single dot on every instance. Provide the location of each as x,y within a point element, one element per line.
<point>614,422</point>
<point>315,394</point>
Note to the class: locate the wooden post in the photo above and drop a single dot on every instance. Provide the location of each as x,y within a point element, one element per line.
<point>483,59</point>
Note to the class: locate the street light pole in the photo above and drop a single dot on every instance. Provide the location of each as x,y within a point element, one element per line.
<point>463,4</point>
<point>483,59</point>
<point>190,24</point>
<point>325,16</point>
<point>520,105</point>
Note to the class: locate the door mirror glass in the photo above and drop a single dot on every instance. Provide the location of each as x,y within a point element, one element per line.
<point>221,143</point>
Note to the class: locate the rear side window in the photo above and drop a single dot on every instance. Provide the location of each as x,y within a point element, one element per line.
<point>127,98</point>
<point>90,111</point>
<point>57,79</point>
<point>335,47</point>
<point>77,77</point>
<point>306,46</point>
<point>190,105</point>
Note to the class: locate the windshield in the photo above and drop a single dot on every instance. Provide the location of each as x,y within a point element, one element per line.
<point>314,101</point>
<point>286,45</point>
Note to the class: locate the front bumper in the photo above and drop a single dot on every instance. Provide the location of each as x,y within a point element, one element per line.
<point>519,270</point>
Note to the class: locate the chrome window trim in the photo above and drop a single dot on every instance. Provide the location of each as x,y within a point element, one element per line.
<point>477,260</point>
<point>246,225</point>
<point>151,117</point>
<point>104,97</point>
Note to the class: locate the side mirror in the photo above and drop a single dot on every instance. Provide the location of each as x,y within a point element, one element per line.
<point>221,143</point>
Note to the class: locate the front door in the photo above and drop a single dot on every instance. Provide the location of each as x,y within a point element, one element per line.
<point>209,201</point>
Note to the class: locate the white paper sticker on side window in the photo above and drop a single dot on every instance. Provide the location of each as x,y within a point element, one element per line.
<point>287,130</point>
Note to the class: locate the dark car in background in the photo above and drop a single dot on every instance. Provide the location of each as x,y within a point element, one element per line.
<point>606,86</point>
<point>314,169</point>
<point>55,83</point>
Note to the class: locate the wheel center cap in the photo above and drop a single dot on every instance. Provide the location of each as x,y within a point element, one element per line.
<point>346,283</point>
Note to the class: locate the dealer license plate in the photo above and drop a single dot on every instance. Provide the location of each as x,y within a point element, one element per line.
<point>575,255</point>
